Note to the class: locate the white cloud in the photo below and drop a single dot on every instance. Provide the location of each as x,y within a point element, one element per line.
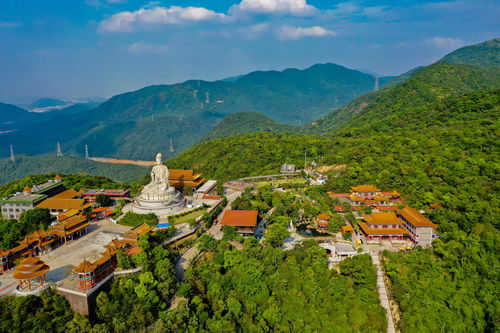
<point>129,21</point>
<point>292,33</point>
<point>147,48</point>
<point>445,42</point>
<point>291,7</point>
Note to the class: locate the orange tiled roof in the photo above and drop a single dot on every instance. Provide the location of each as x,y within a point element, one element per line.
<point>382,218</point>
<point>85,267</point>
<point>68,194</point>
<point>323,216</point>
<point>27,189</point>
<point>370,231</point>
<point>380,197</point>
<point>30,268</point>
<point>347,228</point>
<point>67,214</point>
<point>364,188</point>
<point>415,218</point>
<point>63,204</point>
<point>137,231</point>
<point>355,197</point>
<point>58,177</point>
<point>240,218</point>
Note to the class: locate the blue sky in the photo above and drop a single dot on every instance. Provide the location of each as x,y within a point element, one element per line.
<point>98,48</point>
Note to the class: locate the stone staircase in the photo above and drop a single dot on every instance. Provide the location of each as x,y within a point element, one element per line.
<point>382,290</point>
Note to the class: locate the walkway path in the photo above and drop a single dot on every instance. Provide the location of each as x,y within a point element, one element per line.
<point>382,290</point>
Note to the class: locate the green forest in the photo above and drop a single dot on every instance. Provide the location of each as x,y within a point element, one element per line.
<point>44,164</point>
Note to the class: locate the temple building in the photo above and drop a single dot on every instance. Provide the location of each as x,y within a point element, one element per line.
<point>31,272</point>
<point>181,178</point>
<point>90,274</point>
<point>382,225</point>
<point>57,206</point>
<point>132,236</point>
<point>365,191</point>
<point>322,222</point>
<point>70,228</point>
<point>419,227</point>
<point>245,221</point>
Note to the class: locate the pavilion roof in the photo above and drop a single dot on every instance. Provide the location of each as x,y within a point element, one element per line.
<point>30,268</point>
<point>415,218</point>
<point>85,267</point>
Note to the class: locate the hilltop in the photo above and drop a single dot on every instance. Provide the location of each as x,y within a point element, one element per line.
<point>246,122</point>
<point>484,54</point>
<point>45,164</point>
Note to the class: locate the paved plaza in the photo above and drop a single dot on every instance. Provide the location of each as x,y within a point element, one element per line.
<point>62,259</point>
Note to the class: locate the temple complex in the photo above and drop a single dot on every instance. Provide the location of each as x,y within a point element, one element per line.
<point>31,272</point>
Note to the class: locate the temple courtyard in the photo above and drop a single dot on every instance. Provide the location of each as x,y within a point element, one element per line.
<point>62,259</point>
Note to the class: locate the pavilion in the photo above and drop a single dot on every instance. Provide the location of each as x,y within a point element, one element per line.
<point>31,269</point>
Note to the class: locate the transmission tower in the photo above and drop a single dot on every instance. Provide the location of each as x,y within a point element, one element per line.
<point>12,156</point>
<point>59,151</point>
<point>376,84</point>
<point>207,97</point>
<point>87,152</point>
<point>171,146</point>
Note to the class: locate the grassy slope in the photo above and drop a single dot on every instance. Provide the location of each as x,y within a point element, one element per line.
<point>43,164</point>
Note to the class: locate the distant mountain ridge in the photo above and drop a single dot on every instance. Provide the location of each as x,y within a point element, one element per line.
<point>138,124</point>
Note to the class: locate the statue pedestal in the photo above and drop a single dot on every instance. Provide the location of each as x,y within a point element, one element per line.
<point>167,205</point>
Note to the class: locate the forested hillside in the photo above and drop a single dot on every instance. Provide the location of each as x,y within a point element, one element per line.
<point>246,122</point>
<point>483,54</point>
<point>43,164</point>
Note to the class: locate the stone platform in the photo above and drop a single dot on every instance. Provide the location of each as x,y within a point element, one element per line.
<point>159,207</point>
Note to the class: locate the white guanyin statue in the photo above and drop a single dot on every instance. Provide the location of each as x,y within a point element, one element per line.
<point>158,188</point>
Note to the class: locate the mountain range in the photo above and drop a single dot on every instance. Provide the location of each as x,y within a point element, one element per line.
<point>137,124</point>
